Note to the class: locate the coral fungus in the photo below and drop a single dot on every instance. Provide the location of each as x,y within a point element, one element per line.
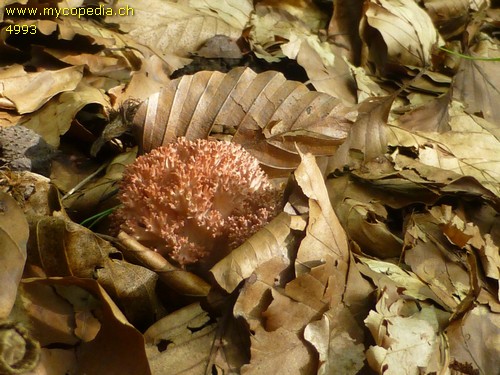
<point>195,200</point>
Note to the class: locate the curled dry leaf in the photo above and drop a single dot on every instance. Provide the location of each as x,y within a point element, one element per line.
<point>406,34</point>
<point>406,335</point>
<point>267,114</point>
<point>97,337</point>
<point>13,240</point>
<point>25,92</point>
<point>457,150</point>
<point>275,240</point>
<point>55,118</point>
<point>362,212</point>
<point>19,352</point>
<point>60,247</point>
<point>181,281</point>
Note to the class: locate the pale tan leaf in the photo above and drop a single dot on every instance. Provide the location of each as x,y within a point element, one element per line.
<point>471,148</point>
<point>385,273</point>
<point>430,257</point>
<point>338,351</point>
<point>407,33</point>
<point>278,352</point>
<point>181,27</point>
<point>274,240</point>
<point>410,340</point>
<point>327,71</point>
<point>55,118</point>
<point>283,24</point>
<point>474,341</point>
<point>233,12</point>
<point>325,237</point>
<point>26,92</point>
<point>181,342</point>
<point>477,83</point>
<point>13,240</point>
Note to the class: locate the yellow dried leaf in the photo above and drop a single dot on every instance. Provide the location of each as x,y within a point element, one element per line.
<point>26,92</point>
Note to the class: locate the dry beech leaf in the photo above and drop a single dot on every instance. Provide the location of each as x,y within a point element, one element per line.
<point>367,139</point>
<point>477,83</point>
<point>94,194</point>
<point>324,234</point>
<point>181,342</point>
<point>13,240</point>
<point>268,114</point>
<point>63,248</point>
<point>449,17</point>
<point>406,335</point>
<point>96,337</point>
<point>457,150</point>
<point>283,24</point>
<point>55,118</point>
<point>190,341</point>
<point>343,29</point>
<point>474,341</point>
<point>363,217</point>
<point>181,281</point>
<point>406,34</point>
<point>327,71</point>
<point>432,259</point>
<point>273,241</point>
<point>431,116</point>
<point>384,274</point>
<point>181,27</point>
<point>322,268</point>
<point>26,92</point>
<point>278,352</point>
<point>338,351</point>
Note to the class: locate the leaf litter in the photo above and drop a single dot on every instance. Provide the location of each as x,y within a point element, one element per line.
<point>385,258</point>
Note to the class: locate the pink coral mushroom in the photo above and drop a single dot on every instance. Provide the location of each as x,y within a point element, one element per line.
<point>195,200</point>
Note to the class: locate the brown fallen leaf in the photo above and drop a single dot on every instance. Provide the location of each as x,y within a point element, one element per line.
<point>474,341</point>
<point>13,240</point>
<point>267,114</point>
<point>100,338</point>
<point>404,34</point>
<point>182,27</point>
<point>367,139</point>
<point>275,240</point>
<point>190,341</point>
<point>477,84</point>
